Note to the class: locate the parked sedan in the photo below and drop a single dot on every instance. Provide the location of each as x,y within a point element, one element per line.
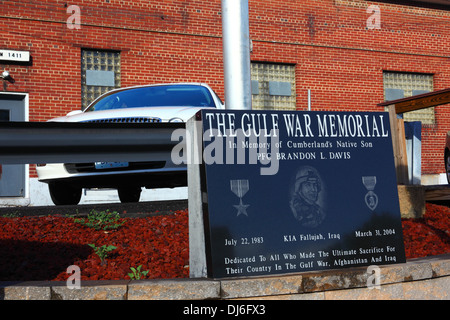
<point>141,104</point>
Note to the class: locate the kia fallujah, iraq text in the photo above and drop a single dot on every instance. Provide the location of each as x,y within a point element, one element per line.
<point>299,124</point>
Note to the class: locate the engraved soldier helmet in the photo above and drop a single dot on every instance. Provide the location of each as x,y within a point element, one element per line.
<point>307,174</point>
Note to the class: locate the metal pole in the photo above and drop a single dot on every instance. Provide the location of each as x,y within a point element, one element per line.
<point>236,54</point>
<point>309,99</point>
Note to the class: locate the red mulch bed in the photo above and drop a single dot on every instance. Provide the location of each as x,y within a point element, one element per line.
<point>427,236</point>
<point>42,248</point>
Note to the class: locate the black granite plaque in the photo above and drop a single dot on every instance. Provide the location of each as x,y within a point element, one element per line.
<point>298,191</point>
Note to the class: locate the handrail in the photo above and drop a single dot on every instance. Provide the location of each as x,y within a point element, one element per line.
<point>53,142</point>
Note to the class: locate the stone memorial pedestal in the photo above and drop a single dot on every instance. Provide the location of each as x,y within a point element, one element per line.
<point>284,192</point>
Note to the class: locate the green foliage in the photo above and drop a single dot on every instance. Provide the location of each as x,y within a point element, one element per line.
<point>14,214</point>
<point>136,273</point>
<point>102,251</point>
<point>103,220</point>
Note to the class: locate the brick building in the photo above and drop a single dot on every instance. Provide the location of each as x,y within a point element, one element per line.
<point>350,54</point>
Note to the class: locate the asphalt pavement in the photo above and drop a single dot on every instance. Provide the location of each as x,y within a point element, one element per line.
<point>136,209</point>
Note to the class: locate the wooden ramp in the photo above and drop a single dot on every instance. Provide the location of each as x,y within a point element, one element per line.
<point>396,108</point>
<point>439,192</point>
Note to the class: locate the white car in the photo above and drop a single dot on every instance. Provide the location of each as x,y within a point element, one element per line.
<point>143,104</point>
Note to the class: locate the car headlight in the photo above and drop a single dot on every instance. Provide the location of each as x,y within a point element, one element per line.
<point>176,119</point>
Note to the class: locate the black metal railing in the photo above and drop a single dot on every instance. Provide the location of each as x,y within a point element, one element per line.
<point>56,142</point>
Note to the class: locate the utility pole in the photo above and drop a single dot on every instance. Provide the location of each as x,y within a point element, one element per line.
<point>236,54</point>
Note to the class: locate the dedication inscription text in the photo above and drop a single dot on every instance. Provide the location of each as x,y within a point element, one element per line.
<point>299,191</point>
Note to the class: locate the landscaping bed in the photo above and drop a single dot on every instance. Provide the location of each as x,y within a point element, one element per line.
<point>106,246</point>
<point>42,248</point>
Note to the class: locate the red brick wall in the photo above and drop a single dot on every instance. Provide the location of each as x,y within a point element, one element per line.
<point>335,54</point>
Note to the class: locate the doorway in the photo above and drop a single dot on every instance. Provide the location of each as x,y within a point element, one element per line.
<point>13,107</point>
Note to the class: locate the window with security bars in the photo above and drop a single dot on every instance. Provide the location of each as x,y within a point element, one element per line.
<point>100,73</point>
<point>399,85</point>
<point>273,86</point>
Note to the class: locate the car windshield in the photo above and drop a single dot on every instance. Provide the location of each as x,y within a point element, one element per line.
<point>157,96</point>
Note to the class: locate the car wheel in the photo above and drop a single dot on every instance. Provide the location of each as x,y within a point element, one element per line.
<point>64,194</point>
<point>447,165</point>
<point>131,194</point>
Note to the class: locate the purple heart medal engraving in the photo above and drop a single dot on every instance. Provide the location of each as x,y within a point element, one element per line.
<point>371,198</point>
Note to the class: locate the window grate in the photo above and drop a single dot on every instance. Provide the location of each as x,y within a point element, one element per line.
<point>97,60</point>
<point>273,86</point>
<point>402,85</point>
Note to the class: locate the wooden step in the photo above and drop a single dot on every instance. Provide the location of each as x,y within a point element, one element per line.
<point>437,192</point>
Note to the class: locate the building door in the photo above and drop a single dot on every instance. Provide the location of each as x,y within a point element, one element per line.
<point>12,176</point>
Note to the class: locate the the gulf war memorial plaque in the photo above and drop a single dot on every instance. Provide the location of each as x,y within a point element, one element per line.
<point>285,192</point>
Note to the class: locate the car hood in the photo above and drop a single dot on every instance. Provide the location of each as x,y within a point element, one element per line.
<point>165,114</point>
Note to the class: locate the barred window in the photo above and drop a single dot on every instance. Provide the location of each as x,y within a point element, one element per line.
<point>273,86</point>
<point>100,73</point>
<point>399,85</point>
